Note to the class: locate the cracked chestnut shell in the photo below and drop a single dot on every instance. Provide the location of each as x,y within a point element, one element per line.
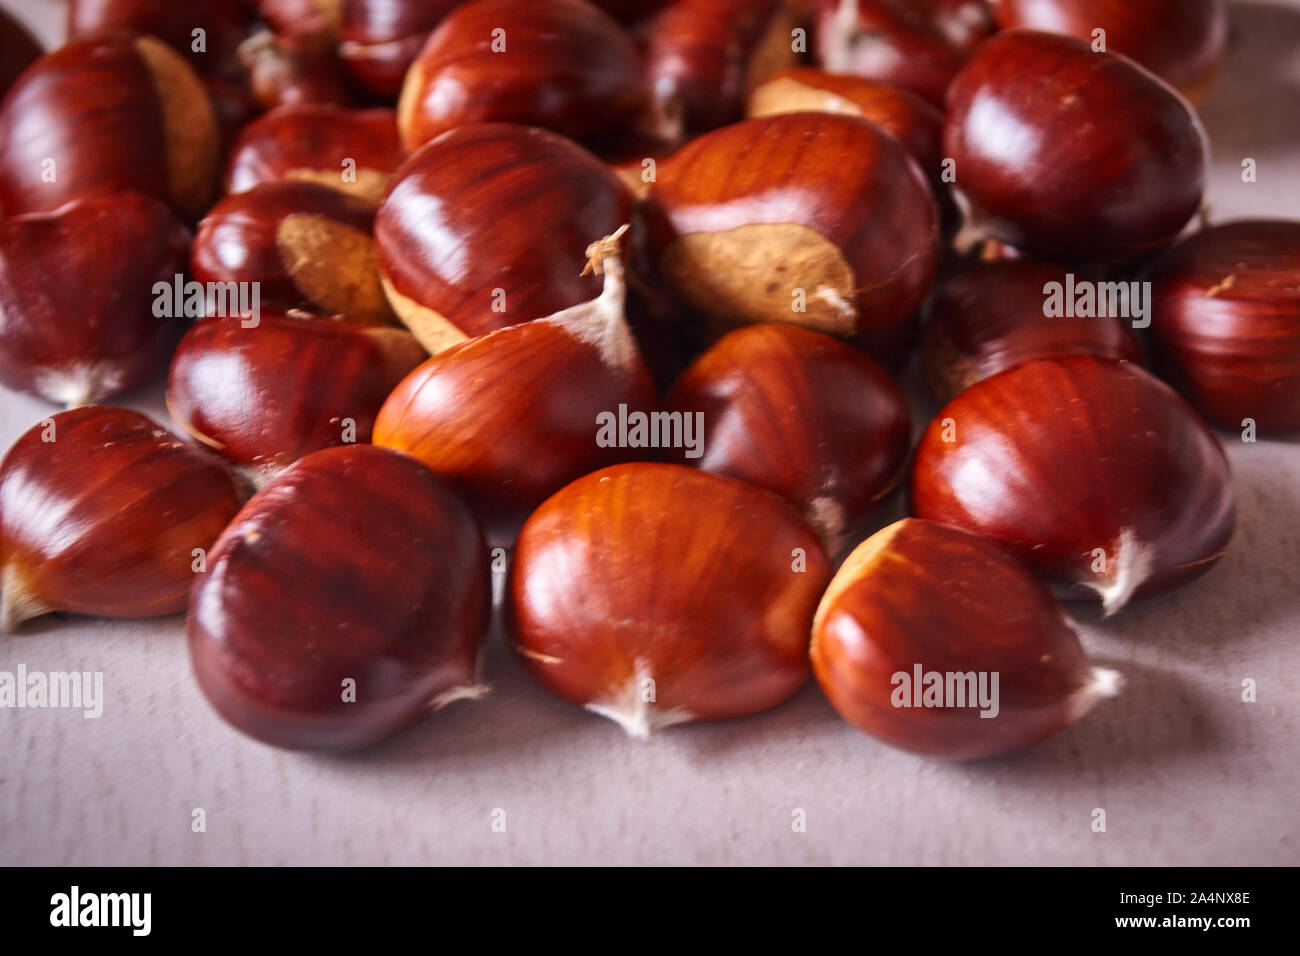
<point>355,564</point>
<point>1092,471</point>
<point>100,512</point>
<point>920,597</point>
<point>654,594</point>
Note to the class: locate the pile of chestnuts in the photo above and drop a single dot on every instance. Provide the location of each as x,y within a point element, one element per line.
<point>614,297</point>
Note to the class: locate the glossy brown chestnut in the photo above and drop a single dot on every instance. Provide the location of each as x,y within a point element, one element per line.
<point>353,151</point>
<point>78,311</point>
<point>225,23</point>
<point>294,384</point>
<point>286,68</point>
<point>509,417</point>
<point>800,414</point>
<point>703,57</point>
<point>1226,324</point>
<point>380,38</point>
<point>810,218</point>
<point>1042,131</point>
<point>18,50</point>
<point>306,245</point>
<point>103,512</point>
<point>563,65</point>
<point>937,641</point>
<point>348,599</point>
<point>1182,41</point>
<point>107,114</point>
<point>988,316</point>
<point>655,594</point>
<point>484,227</point>
<point>1092,471</point>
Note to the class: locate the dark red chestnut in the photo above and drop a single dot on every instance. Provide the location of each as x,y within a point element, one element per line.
<point>380,38</point>
<point>1071,154</point>
<point>80,317</point>
<point>988,316</point>
<point>1092,471</point>
<point>563,65</point>
<point>354,151</point>
<point>509,417</point>
<point>703,57</point>
<point>810,218</point>
<point>103,512</point>
<point>655,595</point>
<point>303,244</point>
<point>487,227</point>
<point>289,68</point>
<point>303,18</point>
<point>1182,41</point>
<point>18,50</point>
<point>224,25</point>
<point>348,599</point>
<point>1226,324</point>
<point>800,414</point>
<point>107,114</point>
<point>935,640</point>
<point>294,384</point>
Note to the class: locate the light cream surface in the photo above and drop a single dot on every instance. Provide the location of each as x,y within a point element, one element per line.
<point>1186,772</point>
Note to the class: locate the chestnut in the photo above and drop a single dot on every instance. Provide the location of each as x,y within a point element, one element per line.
<point>1092,471</point>
<point>1182,41</point>
<point>380,38</point>
<point>703,57</point>
<point>304,245</point>
<point>79,318</point>
<point>103,512</point>
<point>303,18</point>
<point>18,50</point>
<point>987,316</point>
<point>354,151</point>
<point>1226,322</point>
<point>935,640</point>
<point>103,114</point>
<point>481,229</point>
<point>225,23</point>
<point>815,219</point>
<point>799,414</point>
<point>563,65</point>
<point>347,599</point>
<point>294,384</point>
<point>1042,131</point>
<point>509,417</point>
<point>654,594</point>
<point>286,68</point>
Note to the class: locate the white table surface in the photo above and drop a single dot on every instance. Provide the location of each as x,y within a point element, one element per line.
<point>1186,771</point>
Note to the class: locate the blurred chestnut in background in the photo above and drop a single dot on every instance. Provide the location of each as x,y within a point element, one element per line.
<point>988,316</point>
<point>287,68</point>
<point>654,595</point>
<point>353,151</point>
<point>563,65</point>
<point>79,317</point>
<point>268,395</point>
<point>703,57</point>
<point>809,218</point>
<point>488,226</point>
<point>18,50</point>
<point>801,415</point>
<point>225,24</point>
<point>348,599</point>
<point>919,599</point>
<point>1070,154</point>
<point>314,18</point>
<point>1091,471</point>
<point>1182,41</point>
<point>103,512</point>
<point>306,245</point>
<point>509,417</point>
<point>380,38</point>
<point>104,114</point>
<point>1226,324</point>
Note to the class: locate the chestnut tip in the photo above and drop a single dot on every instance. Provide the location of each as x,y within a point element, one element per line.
<point>17,603</point>
<point>629,709</point>
<point>1103,684</point>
